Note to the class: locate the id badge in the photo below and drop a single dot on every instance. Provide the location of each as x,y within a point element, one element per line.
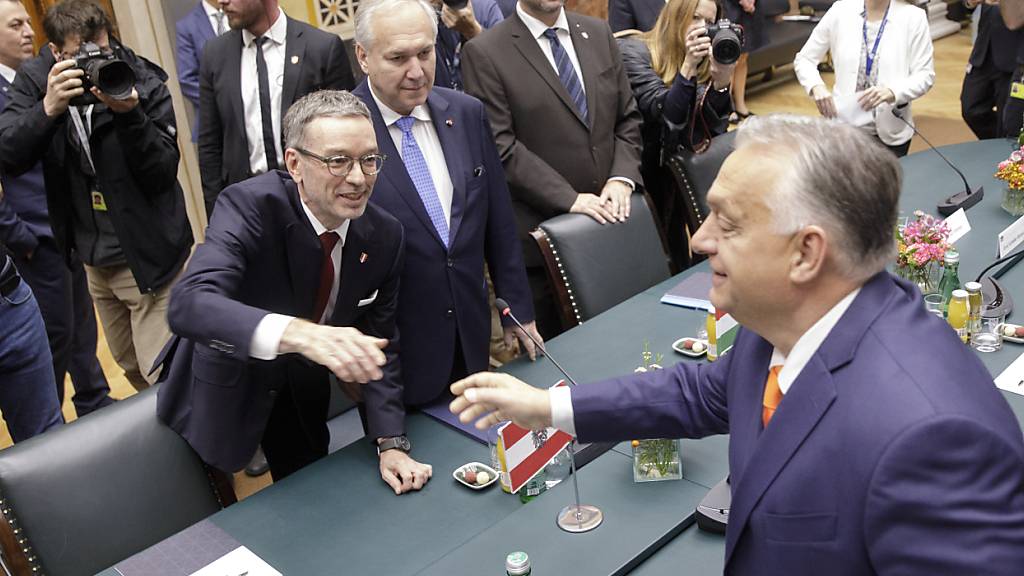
<point>1017,90</point>
<point>99,204</point>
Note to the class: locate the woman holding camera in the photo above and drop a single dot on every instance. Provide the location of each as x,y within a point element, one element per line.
<point>882,55</point>
<point>683,95</point>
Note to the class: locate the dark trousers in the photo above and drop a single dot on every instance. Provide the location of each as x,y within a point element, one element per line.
<point>70,319</point>
<point>27,395</point>
<point>983,100</point>
<point>296,434</point>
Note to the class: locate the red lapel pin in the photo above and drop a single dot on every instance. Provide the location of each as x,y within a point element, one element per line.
<point>363,258</point>
<point>449,123</point>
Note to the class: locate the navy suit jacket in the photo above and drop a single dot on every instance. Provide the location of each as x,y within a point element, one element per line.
<point>633,14</point>
<point>892,453</point>
<point>192,33</point>
<point>445,294</point>
<point>1004,46</point>
<point>261,255</point>
<point>23,214</point>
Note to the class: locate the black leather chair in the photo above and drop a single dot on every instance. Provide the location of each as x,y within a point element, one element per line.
<point>82,497</point>
<point>693,174</point>
<point>593,267</point>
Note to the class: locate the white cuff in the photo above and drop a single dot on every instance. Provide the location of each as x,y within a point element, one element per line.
<point>630,183</point>
<point>561,409</point>
<point>266,339</point>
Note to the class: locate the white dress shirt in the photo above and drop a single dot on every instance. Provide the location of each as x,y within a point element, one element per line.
<point>561,397</point>
<point>430,146</point>
<point>215,17</point>
<point>8,73</point>
<point>273,53</point>
<point>266,339</point>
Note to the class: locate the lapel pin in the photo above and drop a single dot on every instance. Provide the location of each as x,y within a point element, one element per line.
<point>295,59</point>
<point>363,258</point>
<point>449,123</point>
<point>585,35</point>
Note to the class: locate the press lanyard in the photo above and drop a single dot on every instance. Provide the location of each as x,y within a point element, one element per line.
<point>83,136</point>
<point>870,57</point>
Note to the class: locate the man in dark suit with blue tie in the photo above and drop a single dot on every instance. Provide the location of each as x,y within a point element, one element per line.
<point>298,277</point>
<point>865,438</point>
<point>60,288</point>
<point>203,23</point>
<point>445,183</point>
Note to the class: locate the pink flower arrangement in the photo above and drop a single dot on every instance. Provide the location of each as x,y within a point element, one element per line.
<point>922,241</point>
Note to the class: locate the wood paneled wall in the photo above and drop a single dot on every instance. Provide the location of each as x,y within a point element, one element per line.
<point>37,10</point>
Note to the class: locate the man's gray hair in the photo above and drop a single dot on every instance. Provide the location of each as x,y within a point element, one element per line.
<point>839,178</point>
<point>322,104</point>
<point>369,8</point>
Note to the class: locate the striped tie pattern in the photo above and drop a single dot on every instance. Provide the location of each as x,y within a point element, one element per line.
<point>416,165</point>
<point>566,73</point>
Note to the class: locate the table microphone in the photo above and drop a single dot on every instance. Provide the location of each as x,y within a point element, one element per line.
<point>965,199</point>
<point>505,310</point>
<point>573,518</point>
<point>997,300</point>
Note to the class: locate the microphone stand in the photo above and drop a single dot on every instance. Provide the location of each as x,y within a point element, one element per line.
<point>576,518</point>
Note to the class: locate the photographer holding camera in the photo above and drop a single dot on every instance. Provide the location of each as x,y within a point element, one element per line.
<point>680,73</point>
<point>459,21</point>
<point>100,119</point>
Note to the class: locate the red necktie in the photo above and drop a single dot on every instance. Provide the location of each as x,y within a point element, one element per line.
<point>327,240</point>
<point>772,395</point>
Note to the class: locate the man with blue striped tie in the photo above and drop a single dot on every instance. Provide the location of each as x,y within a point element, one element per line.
<point>565,122</point>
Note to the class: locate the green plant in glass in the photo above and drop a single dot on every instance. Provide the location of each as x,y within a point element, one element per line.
<point>655,459</point>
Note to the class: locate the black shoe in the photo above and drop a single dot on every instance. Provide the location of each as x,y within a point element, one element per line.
<point>258,465</point>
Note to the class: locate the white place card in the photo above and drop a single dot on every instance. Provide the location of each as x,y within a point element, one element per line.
<point>958,225</point>
<point>1011,237</point>
<point>1012,379</point>
<point>238,562</point>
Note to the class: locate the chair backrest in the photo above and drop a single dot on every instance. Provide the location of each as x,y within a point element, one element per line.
<point>82,497</point>
<point>593,267</point>
<point>693,174</point>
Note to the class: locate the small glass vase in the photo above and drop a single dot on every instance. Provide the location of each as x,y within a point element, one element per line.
<point>926,277</point>
<point>656,460</point>
<point>1013,201</point>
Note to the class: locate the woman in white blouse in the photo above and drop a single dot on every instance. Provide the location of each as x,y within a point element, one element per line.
<point>882,55</point>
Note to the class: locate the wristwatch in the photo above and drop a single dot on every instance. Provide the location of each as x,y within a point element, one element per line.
<point>395,443</point>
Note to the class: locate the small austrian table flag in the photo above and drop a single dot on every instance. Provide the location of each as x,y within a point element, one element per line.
<point>528,452</point>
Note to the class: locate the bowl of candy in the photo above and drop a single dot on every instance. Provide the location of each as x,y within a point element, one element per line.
<point>1012,333</point>
<point>475,475</point>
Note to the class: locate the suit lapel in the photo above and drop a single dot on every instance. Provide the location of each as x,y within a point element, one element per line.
<point>5,86</point>
<point>589,66</point>
<point>304,256</point>
<point>527,46</point>
<point>295,54</point>
<point>394,173</point>
<point>803,406</point>
<point>355,254</point>
<point>206,30</point>
<point>233,78</point>
<point>448,135</point>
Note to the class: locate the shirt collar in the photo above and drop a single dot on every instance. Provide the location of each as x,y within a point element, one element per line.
<point>320,228</point>
<point>8,73</point>
<point>277,33</point>
<point>210,10</point>
<point>807,345</point>
<point>390,116</point>
<point>536,27</point>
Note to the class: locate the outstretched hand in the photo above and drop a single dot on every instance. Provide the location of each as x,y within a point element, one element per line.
<point>490,398</point>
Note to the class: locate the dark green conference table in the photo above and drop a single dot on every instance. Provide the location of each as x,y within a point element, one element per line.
<point>337,516</point>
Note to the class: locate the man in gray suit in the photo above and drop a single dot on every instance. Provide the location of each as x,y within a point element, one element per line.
<point>564,118</point>
<point>248,78</point>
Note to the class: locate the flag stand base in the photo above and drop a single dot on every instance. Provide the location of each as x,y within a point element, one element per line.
<point>577,519</point>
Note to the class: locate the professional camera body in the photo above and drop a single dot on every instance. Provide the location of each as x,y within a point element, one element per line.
<point>113,76</point>
<point>726,41</point>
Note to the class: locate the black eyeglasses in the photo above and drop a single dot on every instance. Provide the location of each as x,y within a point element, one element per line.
<point>340,166</point>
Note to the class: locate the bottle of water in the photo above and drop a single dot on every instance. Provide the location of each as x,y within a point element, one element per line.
<point>535,487</point>
<point>558,469</point>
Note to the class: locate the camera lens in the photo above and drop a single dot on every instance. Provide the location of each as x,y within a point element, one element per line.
<point>726,46</point>
<point>114,77</point>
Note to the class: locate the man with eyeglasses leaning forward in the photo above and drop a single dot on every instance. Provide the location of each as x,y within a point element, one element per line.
<point>298,277</point>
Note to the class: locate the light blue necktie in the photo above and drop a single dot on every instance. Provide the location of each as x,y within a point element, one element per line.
<point>416,165</point>
<point>566,73</point>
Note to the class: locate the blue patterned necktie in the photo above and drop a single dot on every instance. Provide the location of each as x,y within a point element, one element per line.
<point>416,165</point>
<point>566,73</point>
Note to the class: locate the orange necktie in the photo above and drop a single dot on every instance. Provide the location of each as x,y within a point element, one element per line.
<point>772,395</point>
